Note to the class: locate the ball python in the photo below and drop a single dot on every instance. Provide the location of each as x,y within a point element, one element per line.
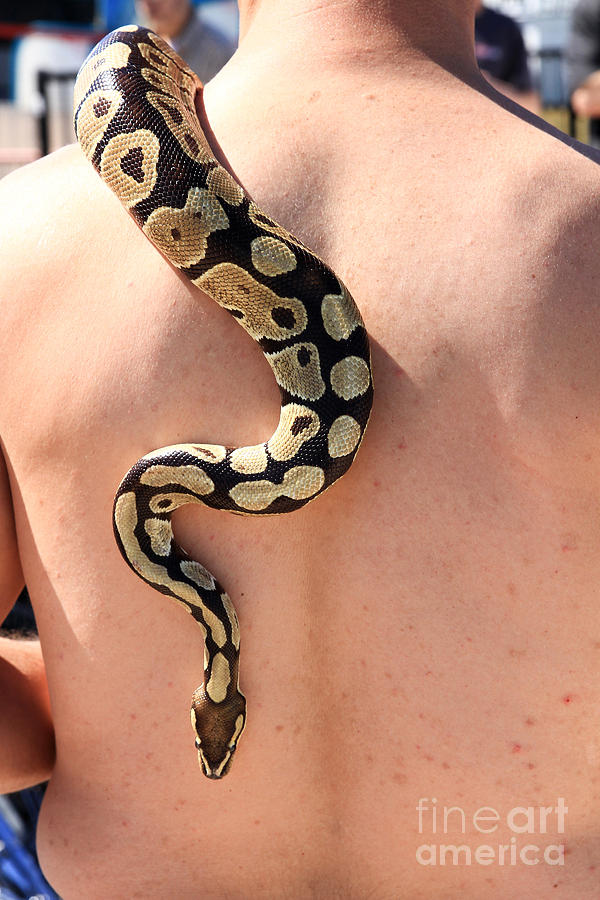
<point>135,120</point>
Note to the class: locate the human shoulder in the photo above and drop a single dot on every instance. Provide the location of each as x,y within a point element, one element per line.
<point>43,203</point>
<point>558,186</point>
<point>38,209</point>
<point>56,218</point>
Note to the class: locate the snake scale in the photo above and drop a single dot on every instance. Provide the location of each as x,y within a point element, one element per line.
<point>136,122</point>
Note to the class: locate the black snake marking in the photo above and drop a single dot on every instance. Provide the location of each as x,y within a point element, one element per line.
<point>135,120</point>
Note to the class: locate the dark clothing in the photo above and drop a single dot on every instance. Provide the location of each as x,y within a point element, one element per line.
<point>500,49</point>
<point>204,49</point>
<point>583,52</point>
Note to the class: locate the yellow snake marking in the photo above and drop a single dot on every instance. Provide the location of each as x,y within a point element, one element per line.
<point>182,234</point>
<point>249,460</point>
<point>180,123</point>
<point>126,520</point>
<point>264,314</point>
<point>159,60</point>
<point>95,115</point>
<point>343,436</point>
<point>233,620</point>
<point>340,315</point>
<point>299,483</point>
<point>259,218</point>
<point>160,533</point>
<point>218,682</point>
<point>191,477</point>
<point>224,763</point>
<point>168,502</point>
<point>114,56</point>
<point>297,424</point>
<point>239,724</point>
<point>350,377</point>
<point>212,453</point>
<point>217,629</point>
<point>298,370</point>
<point>221,183</point>
<point>271,257</point>
<point>239,727</point>
<point>186,81</point>
<point>196,572</point>
<point>128,165</point>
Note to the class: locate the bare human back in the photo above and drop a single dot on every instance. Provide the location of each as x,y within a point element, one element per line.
<point>424,635</point>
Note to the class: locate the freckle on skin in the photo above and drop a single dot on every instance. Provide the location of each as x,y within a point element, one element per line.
<point>516,748</point>
<point>531,765</point>
<point>376,483</point>
<point>568,698</point>
<point>279,728</point>
<point>530,721</point>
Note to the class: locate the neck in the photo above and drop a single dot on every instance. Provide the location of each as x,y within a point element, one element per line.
<point>362,34</point>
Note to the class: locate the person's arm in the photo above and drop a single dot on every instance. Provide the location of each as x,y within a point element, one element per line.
<point>583,59</point>
<point>26,733</point>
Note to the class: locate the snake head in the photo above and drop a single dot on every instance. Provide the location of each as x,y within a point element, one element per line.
<point>218,727</point>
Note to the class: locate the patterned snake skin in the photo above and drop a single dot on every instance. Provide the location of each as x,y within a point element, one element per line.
<point>136,122</point>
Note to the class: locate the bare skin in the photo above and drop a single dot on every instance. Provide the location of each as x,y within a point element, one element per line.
<point>427,628</point>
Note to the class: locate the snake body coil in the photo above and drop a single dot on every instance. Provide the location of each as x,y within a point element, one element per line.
<point>135,120</point>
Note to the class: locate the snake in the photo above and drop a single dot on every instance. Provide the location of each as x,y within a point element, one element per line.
<point>136,122</point>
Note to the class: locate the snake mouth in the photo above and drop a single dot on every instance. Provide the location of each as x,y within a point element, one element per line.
<point>215,772</point>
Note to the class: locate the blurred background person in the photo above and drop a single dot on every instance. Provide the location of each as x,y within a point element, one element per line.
<point>204,48</point>
<point>583,64</point>
<point>502,57</point>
